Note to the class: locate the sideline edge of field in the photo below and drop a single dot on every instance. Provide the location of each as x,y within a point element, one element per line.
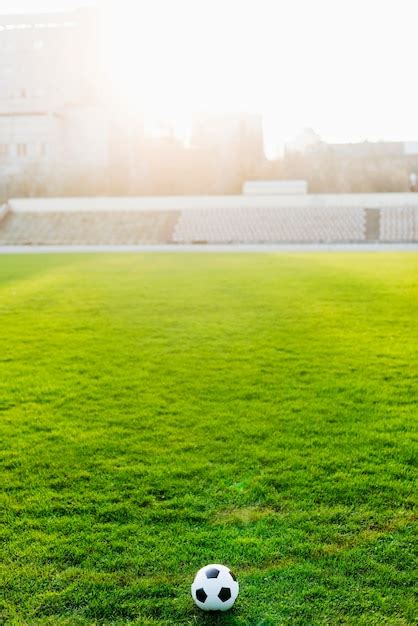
<point>247,248</point>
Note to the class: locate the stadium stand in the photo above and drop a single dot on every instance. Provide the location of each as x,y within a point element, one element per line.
<point>399,224</point>
<point>346,218</point>
<point>270,225</point>
<point>88,228</point>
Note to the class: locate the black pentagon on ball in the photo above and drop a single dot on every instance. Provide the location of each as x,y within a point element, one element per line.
<point>212,573</point>
<point>201,595</point>
<point>224,594</point>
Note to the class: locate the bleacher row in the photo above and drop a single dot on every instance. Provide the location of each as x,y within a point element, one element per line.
<point>270,225</point>
<point>232,225</point>
<point>399,224</point>
<point>88,228</point>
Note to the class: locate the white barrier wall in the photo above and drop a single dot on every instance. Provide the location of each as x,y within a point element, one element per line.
<point>178,203</point>
<point>270,187</point>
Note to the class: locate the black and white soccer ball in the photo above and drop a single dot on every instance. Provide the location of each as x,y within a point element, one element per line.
<point>215,588</point>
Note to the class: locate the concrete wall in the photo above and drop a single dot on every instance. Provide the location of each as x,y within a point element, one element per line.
<point>178,203</point>
<point>270,187</point>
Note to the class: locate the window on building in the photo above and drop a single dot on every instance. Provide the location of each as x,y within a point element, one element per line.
<point>22,149</point>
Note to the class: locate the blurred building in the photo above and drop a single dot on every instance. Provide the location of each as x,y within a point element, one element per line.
<point>231,143</point>
<point>368,149</point>
<point>309,142</point>
<point>306,141</point>
<point>219,131</point>
<point>50,88</point>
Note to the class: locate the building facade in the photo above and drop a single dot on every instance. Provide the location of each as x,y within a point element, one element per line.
<point>231,143</point>
<point>50,94</point>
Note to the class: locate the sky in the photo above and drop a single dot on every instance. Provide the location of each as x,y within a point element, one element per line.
<point>346,68</point>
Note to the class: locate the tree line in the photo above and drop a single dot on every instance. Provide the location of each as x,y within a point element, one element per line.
<point>166,167</point>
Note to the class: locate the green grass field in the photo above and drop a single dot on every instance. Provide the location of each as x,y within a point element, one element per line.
<point>162,412</point>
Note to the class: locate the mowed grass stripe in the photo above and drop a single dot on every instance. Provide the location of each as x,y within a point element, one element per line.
<point>162,412</point>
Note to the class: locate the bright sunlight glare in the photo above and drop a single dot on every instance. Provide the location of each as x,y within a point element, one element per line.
<point>345,68</point>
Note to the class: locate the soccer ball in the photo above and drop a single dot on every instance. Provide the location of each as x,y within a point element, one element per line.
<point>215,588</point>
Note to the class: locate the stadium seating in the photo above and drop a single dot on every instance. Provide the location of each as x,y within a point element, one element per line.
<point>88,228</point>
<point>296,224</point>
<point>399,224</point>
<point>319,223</point>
